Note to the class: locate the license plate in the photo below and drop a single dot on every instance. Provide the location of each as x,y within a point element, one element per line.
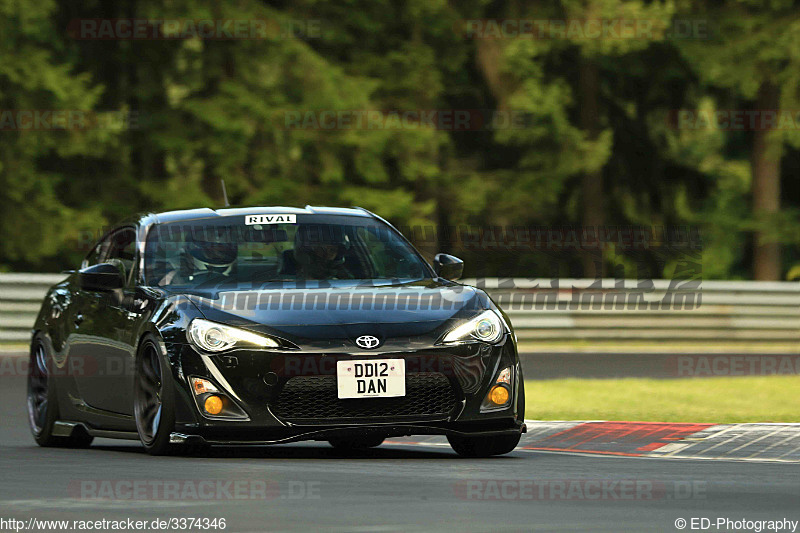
<point>376,378</point>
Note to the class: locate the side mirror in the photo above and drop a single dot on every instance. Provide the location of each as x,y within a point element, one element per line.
<point>102,277</point>
<point>448,266</point>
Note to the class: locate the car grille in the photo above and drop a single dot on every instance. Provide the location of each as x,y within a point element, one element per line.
<point>311,398</point>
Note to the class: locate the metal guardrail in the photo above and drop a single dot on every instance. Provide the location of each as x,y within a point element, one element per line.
<point>20,299</point>
<point>657,311</point>
<point>568,310</point>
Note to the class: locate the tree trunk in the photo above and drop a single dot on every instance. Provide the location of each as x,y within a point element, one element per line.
<point>488,56</point>
<point>766,168</point>
<point>592,201</point>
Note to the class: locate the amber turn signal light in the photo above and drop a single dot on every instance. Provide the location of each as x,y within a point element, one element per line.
<point>498,395</point>
<point>213,405</point>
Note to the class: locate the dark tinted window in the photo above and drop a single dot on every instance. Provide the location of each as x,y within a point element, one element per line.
<point>313,247</point>
<point>98,252</point>
<point>122,250</point>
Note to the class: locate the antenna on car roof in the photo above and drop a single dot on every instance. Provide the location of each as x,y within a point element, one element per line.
<point>225,193</point>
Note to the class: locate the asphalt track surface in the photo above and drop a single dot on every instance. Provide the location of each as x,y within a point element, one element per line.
<point>397,487</point>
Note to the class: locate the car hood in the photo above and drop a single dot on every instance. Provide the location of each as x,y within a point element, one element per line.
<point>421,311</point>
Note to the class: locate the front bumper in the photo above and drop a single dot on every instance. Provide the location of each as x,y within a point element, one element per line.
<point>298,434</point>
<point>289,396</point>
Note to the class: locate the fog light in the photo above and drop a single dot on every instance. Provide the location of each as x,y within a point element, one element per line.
<point>498,395</point>
<point>213,405</point>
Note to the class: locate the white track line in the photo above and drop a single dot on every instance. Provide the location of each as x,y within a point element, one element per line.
<point>790,451</point>
<point>746,444</point>
<point>773,445</point>
<point>736,426</point>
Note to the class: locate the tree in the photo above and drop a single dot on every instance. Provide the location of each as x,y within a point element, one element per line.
<point>595,144</point>
<point>558,76</point>
<point>754,53</point>
<point>41,149</point>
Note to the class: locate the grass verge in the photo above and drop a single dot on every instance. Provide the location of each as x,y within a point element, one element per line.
<point>593,346</point>
<point>714,400</point>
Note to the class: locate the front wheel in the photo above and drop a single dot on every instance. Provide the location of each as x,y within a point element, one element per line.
<point>154,398</point>
<point>484,446</point>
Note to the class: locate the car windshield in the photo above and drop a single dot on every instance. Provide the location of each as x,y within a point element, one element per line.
<point>238,250</point>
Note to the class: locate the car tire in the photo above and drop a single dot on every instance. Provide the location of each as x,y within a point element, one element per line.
<point>154,398</point>
<point>356,443</point>
<point>483,446</point>
<point>42,401</point>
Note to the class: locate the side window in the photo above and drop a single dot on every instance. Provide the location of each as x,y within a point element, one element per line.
<point>390,257</point>
<point>96,255</point>
<point>122,250</point>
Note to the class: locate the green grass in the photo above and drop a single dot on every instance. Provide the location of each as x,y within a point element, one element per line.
<point>720,400</point>
<point>593,346</point>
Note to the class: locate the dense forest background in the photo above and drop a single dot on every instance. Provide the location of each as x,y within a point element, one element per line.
<point>604,139</point>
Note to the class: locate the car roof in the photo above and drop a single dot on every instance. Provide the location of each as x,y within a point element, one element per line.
<point>205,212</point>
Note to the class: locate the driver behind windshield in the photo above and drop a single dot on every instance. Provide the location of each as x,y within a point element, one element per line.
<point>210,255</point>
<point>319,251</point>
<point>206,254</point>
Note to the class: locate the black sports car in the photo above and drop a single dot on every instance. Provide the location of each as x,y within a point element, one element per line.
<point>269,325</point>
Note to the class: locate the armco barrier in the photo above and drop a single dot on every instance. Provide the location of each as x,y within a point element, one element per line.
<point>569,310</point>
<point>20,298</point>
<point>648,312</point>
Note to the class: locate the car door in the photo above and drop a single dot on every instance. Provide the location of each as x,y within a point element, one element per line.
<point>102,348</point>
<point>123,314</point>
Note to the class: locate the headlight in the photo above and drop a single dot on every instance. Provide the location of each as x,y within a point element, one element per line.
<point>212,337</point>
<point>486,327</point>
